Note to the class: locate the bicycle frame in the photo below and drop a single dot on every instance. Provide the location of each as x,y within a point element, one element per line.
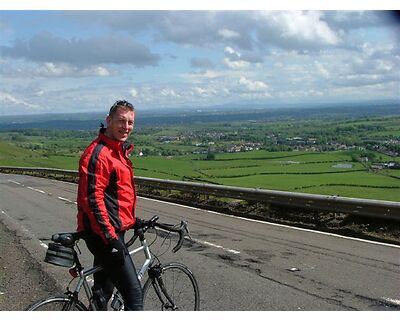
<point>157,273</point>
<point>84,274</point>
<point>148,256</point>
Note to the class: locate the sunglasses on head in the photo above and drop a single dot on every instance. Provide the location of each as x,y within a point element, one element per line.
<point>121,103</point>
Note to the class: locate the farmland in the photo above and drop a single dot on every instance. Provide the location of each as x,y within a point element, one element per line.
<point>346,157</point>
<point>290,171</point>
<point>309,173</point>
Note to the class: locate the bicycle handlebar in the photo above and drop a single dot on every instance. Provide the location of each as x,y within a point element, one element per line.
<point>66,238</point>
<point>182,230</point>
<point>141,226</point>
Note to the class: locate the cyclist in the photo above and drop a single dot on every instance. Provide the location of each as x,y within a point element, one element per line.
<point>106,207</point>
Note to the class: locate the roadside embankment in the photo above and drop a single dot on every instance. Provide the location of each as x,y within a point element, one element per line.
<point>22,280</point>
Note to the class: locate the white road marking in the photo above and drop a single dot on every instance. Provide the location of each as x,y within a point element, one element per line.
<point>12,181</point>
<point>65,199</point>
<point>280,225</point>
<point>215,246</point>
<point>197,240</point>
<point>41,191</point>
<point>43,244</point>
<point>394,301</point>
<point>34,189</point>
<point>3,212</point>
<point>37,190</point>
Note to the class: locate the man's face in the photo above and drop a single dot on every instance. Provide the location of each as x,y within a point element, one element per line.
<point>120,125</point>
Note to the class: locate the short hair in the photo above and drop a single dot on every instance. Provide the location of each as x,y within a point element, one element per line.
<point>121,104</point>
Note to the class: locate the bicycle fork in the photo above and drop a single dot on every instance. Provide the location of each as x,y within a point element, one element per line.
<point>158,283</point>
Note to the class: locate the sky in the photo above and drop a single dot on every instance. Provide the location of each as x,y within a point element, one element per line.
<point>66,61</point>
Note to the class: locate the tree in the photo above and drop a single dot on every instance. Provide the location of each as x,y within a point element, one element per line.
<point>210,155</point>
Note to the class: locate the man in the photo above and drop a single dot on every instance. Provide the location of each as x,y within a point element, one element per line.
<point>106,207</point>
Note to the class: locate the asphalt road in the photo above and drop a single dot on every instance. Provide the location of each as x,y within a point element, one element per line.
<point>240,264</point>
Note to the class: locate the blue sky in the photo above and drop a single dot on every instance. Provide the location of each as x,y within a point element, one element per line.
<point>73,61</point>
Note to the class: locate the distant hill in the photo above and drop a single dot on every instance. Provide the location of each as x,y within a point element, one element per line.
<point>12,155</point>
<point>54,124</point>
<point>86,121</point>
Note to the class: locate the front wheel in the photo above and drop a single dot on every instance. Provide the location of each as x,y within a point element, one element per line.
<point>57,303</point>
<point>171,287</point>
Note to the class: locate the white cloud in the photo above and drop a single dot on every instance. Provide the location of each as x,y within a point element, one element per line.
<point>25,70</point>
<point>50,69</point>
<point>168,92</point>
<point>204,91</point>
<point>96,71</point>
<point>240,64</point>
<point>199,77</point>
<point>11,102</point>
<point>55,69</point>
<point>225,91</point>
<point>307,26</point>
<point>209,74</point>
<point>199,90</point>
<point>322,70</point>
<point>385,66</point>
<point>377,50</point>
<point>372,91</point>
<point>231,52</point>
<point>228,34</point>
<point>253,85</point>
<point>293,94</point>
<point>233,59</point>
<point>314,93</point>
<point>134,92</point>
<point>299,30</point>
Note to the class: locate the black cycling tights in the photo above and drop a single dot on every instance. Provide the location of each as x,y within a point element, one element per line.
<point>124,277</point>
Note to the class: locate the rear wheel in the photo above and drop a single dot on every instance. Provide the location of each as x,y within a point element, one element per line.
<point>57,303</point>
<point>171,287</point>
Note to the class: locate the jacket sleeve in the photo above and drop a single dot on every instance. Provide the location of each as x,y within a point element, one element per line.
<point>98,176</point>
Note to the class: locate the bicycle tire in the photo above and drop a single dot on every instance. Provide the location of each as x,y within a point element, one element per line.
<point>57,303</point>
<point>180,285</point>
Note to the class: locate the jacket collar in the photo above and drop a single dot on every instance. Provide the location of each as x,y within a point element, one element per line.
<point>114,144</point>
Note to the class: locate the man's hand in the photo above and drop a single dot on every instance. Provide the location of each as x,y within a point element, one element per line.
<point>117,251</point>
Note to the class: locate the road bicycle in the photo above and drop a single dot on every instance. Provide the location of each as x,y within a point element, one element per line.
<point>169,287</point>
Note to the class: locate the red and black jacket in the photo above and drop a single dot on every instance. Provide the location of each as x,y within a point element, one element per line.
<point>106,191</point>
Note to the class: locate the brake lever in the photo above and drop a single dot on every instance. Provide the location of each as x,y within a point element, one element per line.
<point>183,230</point>
<point>186,230</point>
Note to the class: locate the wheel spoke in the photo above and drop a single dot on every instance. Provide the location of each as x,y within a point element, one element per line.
<point>179,290</point>
<point>57,303</point>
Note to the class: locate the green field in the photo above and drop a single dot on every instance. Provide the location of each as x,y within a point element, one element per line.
<point>11,155</point>
<point>309,172</point>
<point>289,171</point>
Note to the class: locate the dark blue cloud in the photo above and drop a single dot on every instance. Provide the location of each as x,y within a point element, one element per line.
<point>45,47</point>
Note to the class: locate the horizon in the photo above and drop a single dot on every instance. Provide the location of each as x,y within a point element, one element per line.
<point>172,111</point>
<point>168,117</point>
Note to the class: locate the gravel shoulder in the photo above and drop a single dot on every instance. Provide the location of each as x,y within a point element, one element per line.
<point>22,280</point>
